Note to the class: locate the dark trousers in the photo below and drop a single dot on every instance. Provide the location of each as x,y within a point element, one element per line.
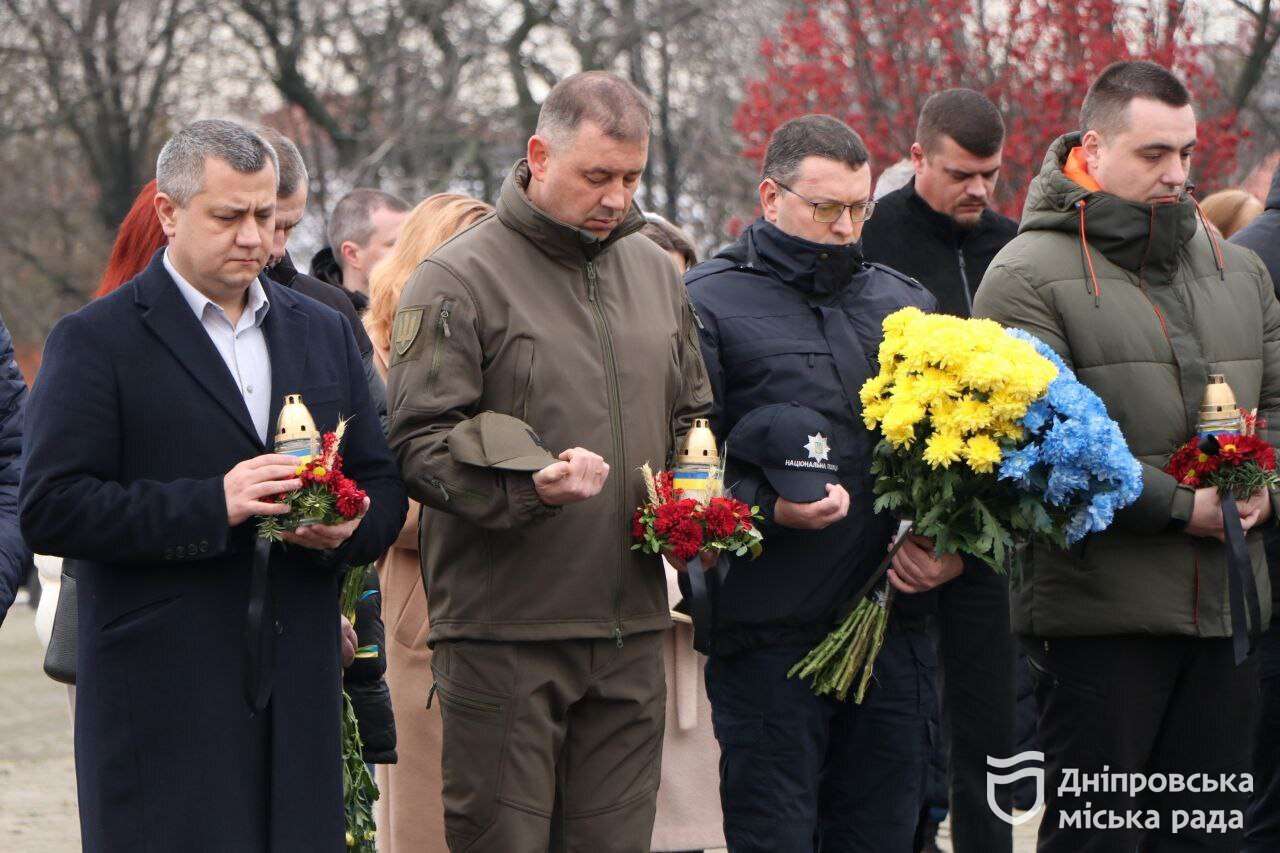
<point>802,773</point>
<point>979,700</point>
<point>1149,705</point>
<point>1262,821</point>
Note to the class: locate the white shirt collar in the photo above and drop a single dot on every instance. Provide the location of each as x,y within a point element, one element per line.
<point>257,304</point>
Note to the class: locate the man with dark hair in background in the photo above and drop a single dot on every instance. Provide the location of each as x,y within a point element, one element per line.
<point>940,229</point>
<point>362,229</point>
<point>791,314</point>
<point>551,324</point>
<point>291,205</point>
<point>1140,658</point>
<point>363,681</point>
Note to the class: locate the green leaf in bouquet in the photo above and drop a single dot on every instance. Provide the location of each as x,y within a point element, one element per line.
<point>949,481</point>
<point>889,501</point>
<point>930,519</point>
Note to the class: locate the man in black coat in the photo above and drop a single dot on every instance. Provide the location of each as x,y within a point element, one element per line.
<point>1262,821</point>
<point>941,230</point>
<point>15,556</point>
<point>362,678</point>
<point>207,714</point>
<point>792,314</point>
<point>291,204</point>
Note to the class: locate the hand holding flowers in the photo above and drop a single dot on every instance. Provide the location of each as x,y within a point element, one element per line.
<point>988,442</point>
<point>325,499</point>
<point>683,526</point>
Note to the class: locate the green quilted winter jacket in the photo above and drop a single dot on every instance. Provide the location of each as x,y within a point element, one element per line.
<point>1143,303</point>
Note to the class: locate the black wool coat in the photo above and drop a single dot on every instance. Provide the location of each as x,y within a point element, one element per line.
<point>132,423</point>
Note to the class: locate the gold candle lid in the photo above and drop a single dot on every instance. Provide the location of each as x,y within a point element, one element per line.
<point>1218,409</point>
<point>295,422</point>
<point>699,445</point>
<point>1218,397</point>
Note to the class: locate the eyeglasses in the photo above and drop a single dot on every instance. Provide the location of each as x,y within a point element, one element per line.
<point>829,211</point>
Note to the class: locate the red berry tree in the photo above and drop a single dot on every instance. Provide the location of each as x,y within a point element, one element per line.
<point>874,62</point>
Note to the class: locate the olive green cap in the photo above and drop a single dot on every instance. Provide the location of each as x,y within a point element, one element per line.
<point>494,440</point>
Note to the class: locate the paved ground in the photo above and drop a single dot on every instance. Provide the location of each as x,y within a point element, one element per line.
<point>37,774</point>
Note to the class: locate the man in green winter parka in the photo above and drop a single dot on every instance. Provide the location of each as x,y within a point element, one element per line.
<point>1130,632</point>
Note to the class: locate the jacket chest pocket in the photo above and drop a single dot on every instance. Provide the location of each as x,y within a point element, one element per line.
<point>521,377</point>
<point>789,369</point>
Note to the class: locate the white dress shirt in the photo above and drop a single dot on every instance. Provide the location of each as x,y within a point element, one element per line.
<point>243,347</point>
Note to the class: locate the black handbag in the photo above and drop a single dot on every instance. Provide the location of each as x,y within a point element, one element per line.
<point>60,657</point>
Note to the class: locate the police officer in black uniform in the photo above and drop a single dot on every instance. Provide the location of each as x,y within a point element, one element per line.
<point>791,313</point>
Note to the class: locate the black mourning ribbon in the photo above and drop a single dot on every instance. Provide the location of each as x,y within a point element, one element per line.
<point>1241,585</point>
<point>852,603</point>
<point>700,599</point>
<point>259,631</point>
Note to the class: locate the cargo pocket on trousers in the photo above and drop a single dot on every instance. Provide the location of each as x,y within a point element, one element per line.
<point>747,773</point>
<point>474,744</point>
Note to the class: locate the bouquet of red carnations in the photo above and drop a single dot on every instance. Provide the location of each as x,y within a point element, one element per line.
<point>1238,464</point>
<point>686,526</point>
<point>327,496</point>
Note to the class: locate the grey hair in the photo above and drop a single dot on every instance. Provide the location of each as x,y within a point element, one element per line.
<point>180,166</point>
<point>611,102</point>
<point>352,217</point>
<point>293,169</point>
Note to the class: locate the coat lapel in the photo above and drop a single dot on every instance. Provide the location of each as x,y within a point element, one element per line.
<point>168,315</point>
<point>285,328</point>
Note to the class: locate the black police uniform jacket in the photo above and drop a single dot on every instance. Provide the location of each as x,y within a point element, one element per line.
<point>786,320</point>
<point>133,421</point>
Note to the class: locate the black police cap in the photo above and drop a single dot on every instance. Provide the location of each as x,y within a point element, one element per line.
<point>791,444</point>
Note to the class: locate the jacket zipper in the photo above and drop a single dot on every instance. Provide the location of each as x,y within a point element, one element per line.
<point>450,698</point>
<point>615,410</point>
<point>442,332</point>
<point>457,491</point>
<point>1159,314</point>
<point>964,281</point>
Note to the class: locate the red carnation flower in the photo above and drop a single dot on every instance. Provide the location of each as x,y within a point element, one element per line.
<point>686,539</point>
<point>720,519</point>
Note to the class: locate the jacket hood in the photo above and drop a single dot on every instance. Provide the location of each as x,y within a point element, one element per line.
<point>1143,238</point>
<point>565,243</point>
<point>819,269</point>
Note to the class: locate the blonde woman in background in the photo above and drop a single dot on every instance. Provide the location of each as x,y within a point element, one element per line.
<point>410,814</point>
<point>1230,210</point>
<point>689,816</point>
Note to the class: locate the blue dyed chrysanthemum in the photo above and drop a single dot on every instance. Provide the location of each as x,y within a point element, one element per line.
<point>1073,447</point>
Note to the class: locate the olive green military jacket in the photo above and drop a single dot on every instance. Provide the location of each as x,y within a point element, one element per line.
<point>593,344</point>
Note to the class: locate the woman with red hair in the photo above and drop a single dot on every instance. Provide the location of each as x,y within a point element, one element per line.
<point>137,240</point>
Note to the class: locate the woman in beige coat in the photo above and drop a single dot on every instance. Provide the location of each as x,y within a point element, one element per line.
<point>689,816</point>
<point>409,813</point>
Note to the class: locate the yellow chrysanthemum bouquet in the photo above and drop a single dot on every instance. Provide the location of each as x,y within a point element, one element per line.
<point>988,441</point>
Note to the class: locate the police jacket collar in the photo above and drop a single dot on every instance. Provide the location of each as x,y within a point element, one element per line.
<point>815,269</point>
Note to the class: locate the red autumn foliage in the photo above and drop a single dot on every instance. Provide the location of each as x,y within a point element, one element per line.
<point>873,63</point>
